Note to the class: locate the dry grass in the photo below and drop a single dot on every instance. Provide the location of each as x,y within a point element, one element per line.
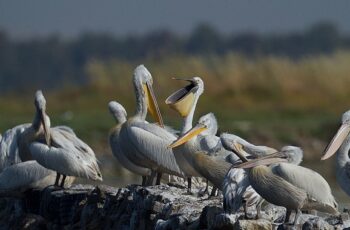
<point>270,100</point>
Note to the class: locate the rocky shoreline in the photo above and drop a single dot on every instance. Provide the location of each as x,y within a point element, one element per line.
<point>136,207</point>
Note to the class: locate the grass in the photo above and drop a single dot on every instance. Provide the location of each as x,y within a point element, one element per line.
<point>269,100</point>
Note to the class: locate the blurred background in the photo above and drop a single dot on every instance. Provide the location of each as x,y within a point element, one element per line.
<point>275,72</point>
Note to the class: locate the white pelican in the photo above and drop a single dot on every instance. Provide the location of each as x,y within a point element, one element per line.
<point>146,143</point>
<point>57,149</point>
<point>236,187</point>
<point>341,144</point>
<point>291,186</point>
<point>120,115</point>
<point>184,101</point>
<point>27,175</point>
<point>9,146</point>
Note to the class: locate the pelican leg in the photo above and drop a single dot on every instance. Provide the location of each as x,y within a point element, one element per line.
<point>258,209</point>
<point>144,180</point>
<point>206,187</point>
<point>213,191</point>
<point>62,181</point>
<point>159,177</point>
<point>288,213</point>
<point>297,215</point>
<point>151,178</point>
<point>57,179</point>
<point>245,209</point>
<point>189,185</point>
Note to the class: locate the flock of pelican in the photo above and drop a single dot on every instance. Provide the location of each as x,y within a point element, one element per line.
<point>36,155</point>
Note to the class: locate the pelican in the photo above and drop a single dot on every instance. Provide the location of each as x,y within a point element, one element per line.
<point>341,144</point>
<point>27,175</point>
<point>120,115</point>
<point>236,186</point>
<point>202,150</point>
<point>286,184</point>
<point>9,146</point>
<point>184,101</point>
<point>57,148</point>
<point>146,143</point>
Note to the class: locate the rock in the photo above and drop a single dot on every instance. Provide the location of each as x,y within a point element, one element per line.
<point>260,224</point>
<point>136,207</point>
<point>223,221</point>
<point>316,223</point>
<point>208,216</point>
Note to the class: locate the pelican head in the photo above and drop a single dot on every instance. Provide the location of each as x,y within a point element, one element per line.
<point>142,77</point>
<point>183,100</point>
<point>44,120</point>
<point>339,137</point>
<point>293,154</point>
<point>228,139</point>
<point>118,111</point>
<point>206,125</point>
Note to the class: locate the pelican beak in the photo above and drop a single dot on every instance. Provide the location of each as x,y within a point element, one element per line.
<point>46,128</point>
<point>274,158</point>
<point>152,104</point>
<point>239,151</point>
<point>337,140</point>
<point>182,100</point>
<point>190,134</point>
<point>182,79</point>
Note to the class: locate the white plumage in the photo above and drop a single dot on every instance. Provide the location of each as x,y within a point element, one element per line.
<point>67,155</point>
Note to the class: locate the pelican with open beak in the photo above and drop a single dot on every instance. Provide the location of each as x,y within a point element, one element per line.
<point>184,101</point>
<point>291,186</point>
<point>145,144</point>
<point>341,144</point>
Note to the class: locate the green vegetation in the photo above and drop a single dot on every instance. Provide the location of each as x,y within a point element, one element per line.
<point>269,100</point>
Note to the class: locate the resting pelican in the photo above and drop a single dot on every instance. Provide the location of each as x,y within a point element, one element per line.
<point>286,184</point>
<point>120,115</point>
<point>341,144</point>
<point>146,143</point>
<point>57,149</point>
<point>27,175</point>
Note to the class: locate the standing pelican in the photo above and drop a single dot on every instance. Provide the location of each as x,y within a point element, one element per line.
<point>57,149</point>
<point>184,101</point>
<point>236,186</point>
<point>288,185</point>
<point>120,115</point>
<point>341,144</point>
<point>146,143</point>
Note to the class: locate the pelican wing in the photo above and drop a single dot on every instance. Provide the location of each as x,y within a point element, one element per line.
<point>9,147</point>
<point>210,167</point>
<point>120,155</point>
<point>152,142</point>
<point>63,138</point>
<point>64,129</point>
<point>308,180</point>
<point>67,155</point>
<point>26,175</point>
<point>235,184</point>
